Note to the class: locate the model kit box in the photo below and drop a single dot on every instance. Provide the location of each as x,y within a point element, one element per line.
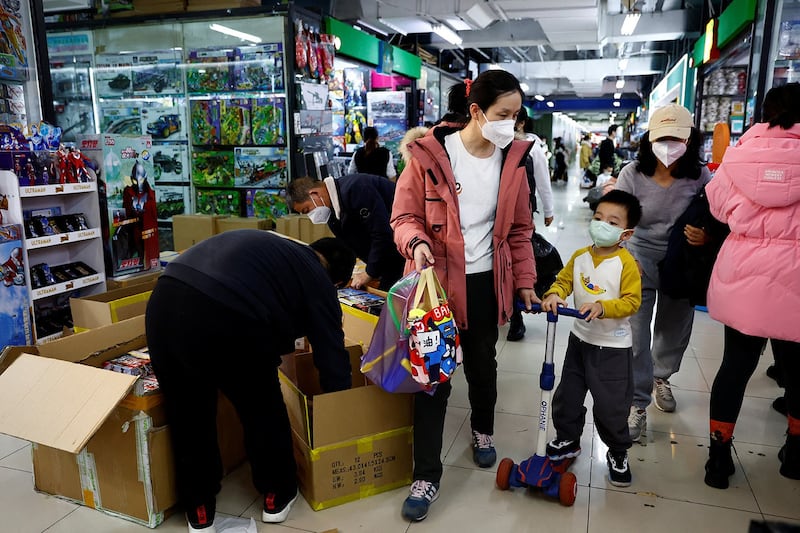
<point>15,315</point>
<point>109,307</point>
<point>95,443</point>
<point>260,167</point>
<point>127,200</point>
<point>266,203</point>
<point>348,444</point>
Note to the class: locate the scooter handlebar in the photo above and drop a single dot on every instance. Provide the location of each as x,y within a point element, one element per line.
<point>562,311</point>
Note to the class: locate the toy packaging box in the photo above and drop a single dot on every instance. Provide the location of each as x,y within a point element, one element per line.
<point>15,317</point>
<point>209,70</point>
<point>260,167</point>
<point>121,118</point>
<point>172,200</point>
<point>259,67</point>
<point>164,123</point>
<point>171,162</point>
<point>113,75</point>
<point>213,169</point>
<point>268,122</point>
<point>156,73</point>
<point>205,121</point>
<point>235,121</point>
<point>218,202</point>
<point>130,228</point>
<point>266,203</point>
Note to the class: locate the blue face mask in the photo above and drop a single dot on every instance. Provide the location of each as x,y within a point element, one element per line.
<point>604,234</point>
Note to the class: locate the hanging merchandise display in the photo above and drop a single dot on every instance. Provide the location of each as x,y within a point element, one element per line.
<point>784,52</point>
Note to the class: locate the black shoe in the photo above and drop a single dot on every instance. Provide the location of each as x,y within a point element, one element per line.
<point>201,518</point>
<point>516,330</point>
<point>719,466</point>
<point>558,449</point>
<point>772,372</point>
<point>276,509</point>
<point>790,457</point>
<point>619,471</point>
<point>780,405</point>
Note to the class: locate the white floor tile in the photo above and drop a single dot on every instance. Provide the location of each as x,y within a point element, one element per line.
<point>84,520</point>
<point>775,494</point>
<point>26,511</point>
<point>9,445</point>
<point>455,419</point>
<point>19,460</point>
<point>237,492</point>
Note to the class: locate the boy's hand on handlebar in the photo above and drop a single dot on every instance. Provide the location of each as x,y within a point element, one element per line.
<point>594,309</point>
<point>551,303</point>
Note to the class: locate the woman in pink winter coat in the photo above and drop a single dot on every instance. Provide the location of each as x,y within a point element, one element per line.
<point>755,285</point>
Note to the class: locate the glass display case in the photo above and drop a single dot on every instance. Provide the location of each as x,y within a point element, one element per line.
<point>785,48</point>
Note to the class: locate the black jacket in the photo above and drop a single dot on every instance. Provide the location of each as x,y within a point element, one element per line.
<point>281,284</point>
<point>373,163</point>
<point>363,223</point>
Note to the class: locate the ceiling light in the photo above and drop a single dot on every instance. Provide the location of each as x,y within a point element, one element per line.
<point>235,33</point>
<point>368,26</point>
<point>617,96</point>
<point>620,83</point>
<point>447,34</point>
<point>481,14</point>
<point>550,104</point>
<point>616,103</point>
<point>525,87</point>
<point>623,63</point>
<point>630,22</point>
<point>495,66</point>
<point>539,97</point>
<point>395,28</point>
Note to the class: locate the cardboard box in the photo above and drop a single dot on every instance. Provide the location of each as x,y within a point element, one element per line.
<point>349,444</point>
<point>359,325</point>
<point>288,225</point>
<point>233,223</point>
<point>191,229</point>
<point>94,443</point>
<point>109,307</point>
<point>133,279</point>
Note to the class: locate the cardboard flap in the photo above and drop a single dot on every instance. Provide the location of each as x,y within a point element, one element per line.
<point>56,403</point>
<point>83,345</point>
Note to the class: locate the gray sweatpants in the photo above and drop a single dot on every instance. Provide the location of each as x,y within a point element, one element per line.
<point>658,354</point>
<point>607,374</point>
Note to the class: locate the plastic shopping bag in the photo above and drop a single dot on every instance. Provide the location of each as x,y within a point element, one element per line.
<point>386,362</point>
<point>434,345</point>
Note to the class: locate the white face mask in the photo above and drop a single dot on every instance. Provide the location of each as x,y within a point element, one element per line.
<point>498,132</point>
<point>669,151</point>
<point>320,214</point>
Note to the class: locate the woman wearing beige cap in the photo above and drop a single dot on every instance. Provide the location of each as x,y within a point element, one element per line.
<point>668,173</point>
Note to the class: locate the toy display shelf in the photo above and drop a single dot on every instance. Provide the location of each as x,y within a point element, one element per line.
<point>62,238</point>
<point>66,286</point>
<point>57,189</point>
<point>229,95</point>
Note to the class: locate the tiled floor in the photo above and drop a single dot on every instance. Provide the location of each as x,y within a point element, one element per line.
<point>667,493</point>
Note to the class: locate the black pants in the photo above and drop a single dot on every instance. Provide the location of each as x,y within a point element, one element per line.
<point>608,374</point>
<point>480,368</point>
<point>198,347</point>
<point>739,361</point>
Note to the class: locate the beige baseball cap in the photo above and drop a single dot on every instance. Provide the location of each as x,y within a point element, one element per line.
<point>672,120</point>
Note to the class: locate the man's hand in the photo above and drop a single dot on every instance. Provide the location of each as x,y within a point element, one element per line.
<point>551,303</point>
<point>528,297</point>
<point>422,256</point>
<point>695,236</point>
<point>548,221</point>
<point>594,309</point>
<point>360,280</point>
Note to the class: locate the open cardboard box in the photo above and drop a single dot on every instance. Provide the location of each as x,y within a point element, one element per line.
<point>359,325</point>
<point>95,443</point>
<point>109,307</point>
<point>349,444</point>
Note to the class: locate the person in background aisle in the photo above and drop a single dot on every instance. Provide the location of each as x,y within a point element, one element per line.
<point>372,158</point>
<point>608,148</point>
<point>755,284</point>
<point>463,207</point>
<point>356,208</point>
<point>669,172</point>
<point>457,105</point>
<point>605,283</point>
<point>561,154</point>
<point>586,160</point>
<point>535,166</point>
<point>219,318</point>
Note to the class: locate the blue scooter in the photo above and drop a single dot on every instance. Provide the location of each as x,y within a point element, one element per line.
<point>538,471</point>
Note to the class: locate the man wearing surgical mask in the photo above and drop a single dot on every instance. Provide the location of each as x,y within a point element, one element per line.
<point>356,208</point>
<point>667,175</point>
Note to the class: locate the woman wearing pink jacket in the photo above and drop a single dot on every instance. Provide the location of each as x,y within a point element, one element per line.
<point>462,206</point>
<point>755,285</point>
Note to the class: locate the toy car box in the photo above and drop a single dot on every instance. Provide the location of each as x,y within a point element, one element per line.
<point>95,443</point>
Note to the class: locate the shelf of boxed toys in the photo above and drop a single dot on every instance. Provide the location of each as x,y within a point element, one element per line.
<point>67,286</point>
<point>62,238</point>
<point>57,189</point>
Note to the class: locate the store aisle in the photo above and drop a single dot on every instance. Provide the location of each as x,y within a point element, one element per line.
<point>667,493</point>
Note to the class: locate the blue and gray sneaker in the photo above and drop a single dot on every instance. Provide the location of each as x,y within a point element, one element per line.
<point>558,449</point>
<point>422,495</point>
<point>483,449</point>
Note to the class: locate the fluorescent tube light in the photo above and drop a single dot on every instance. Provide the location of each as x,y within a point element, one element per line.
<point>616,103</point>
<point>369,26</point>
<point>617,96</point>
<point>447,34</point>
<point>550,104</point>
<point>630,22</point>
<point>620,83</point>
<point>539,97</point>
<point>235,33</point>
<point>392,26</point>
<point>623,63</point>
<point>525,87</point>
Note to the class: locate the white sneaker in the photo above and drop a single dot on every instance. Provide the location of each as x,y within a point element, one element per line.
<point>637,422</point>
<point>275,511</point>
<point>209,529</point>
<point>662,395</point>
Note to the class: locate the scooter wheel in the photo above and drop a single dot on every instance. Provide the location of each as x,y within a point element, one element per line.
<point>504,470</point>
<point>567,489</point>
